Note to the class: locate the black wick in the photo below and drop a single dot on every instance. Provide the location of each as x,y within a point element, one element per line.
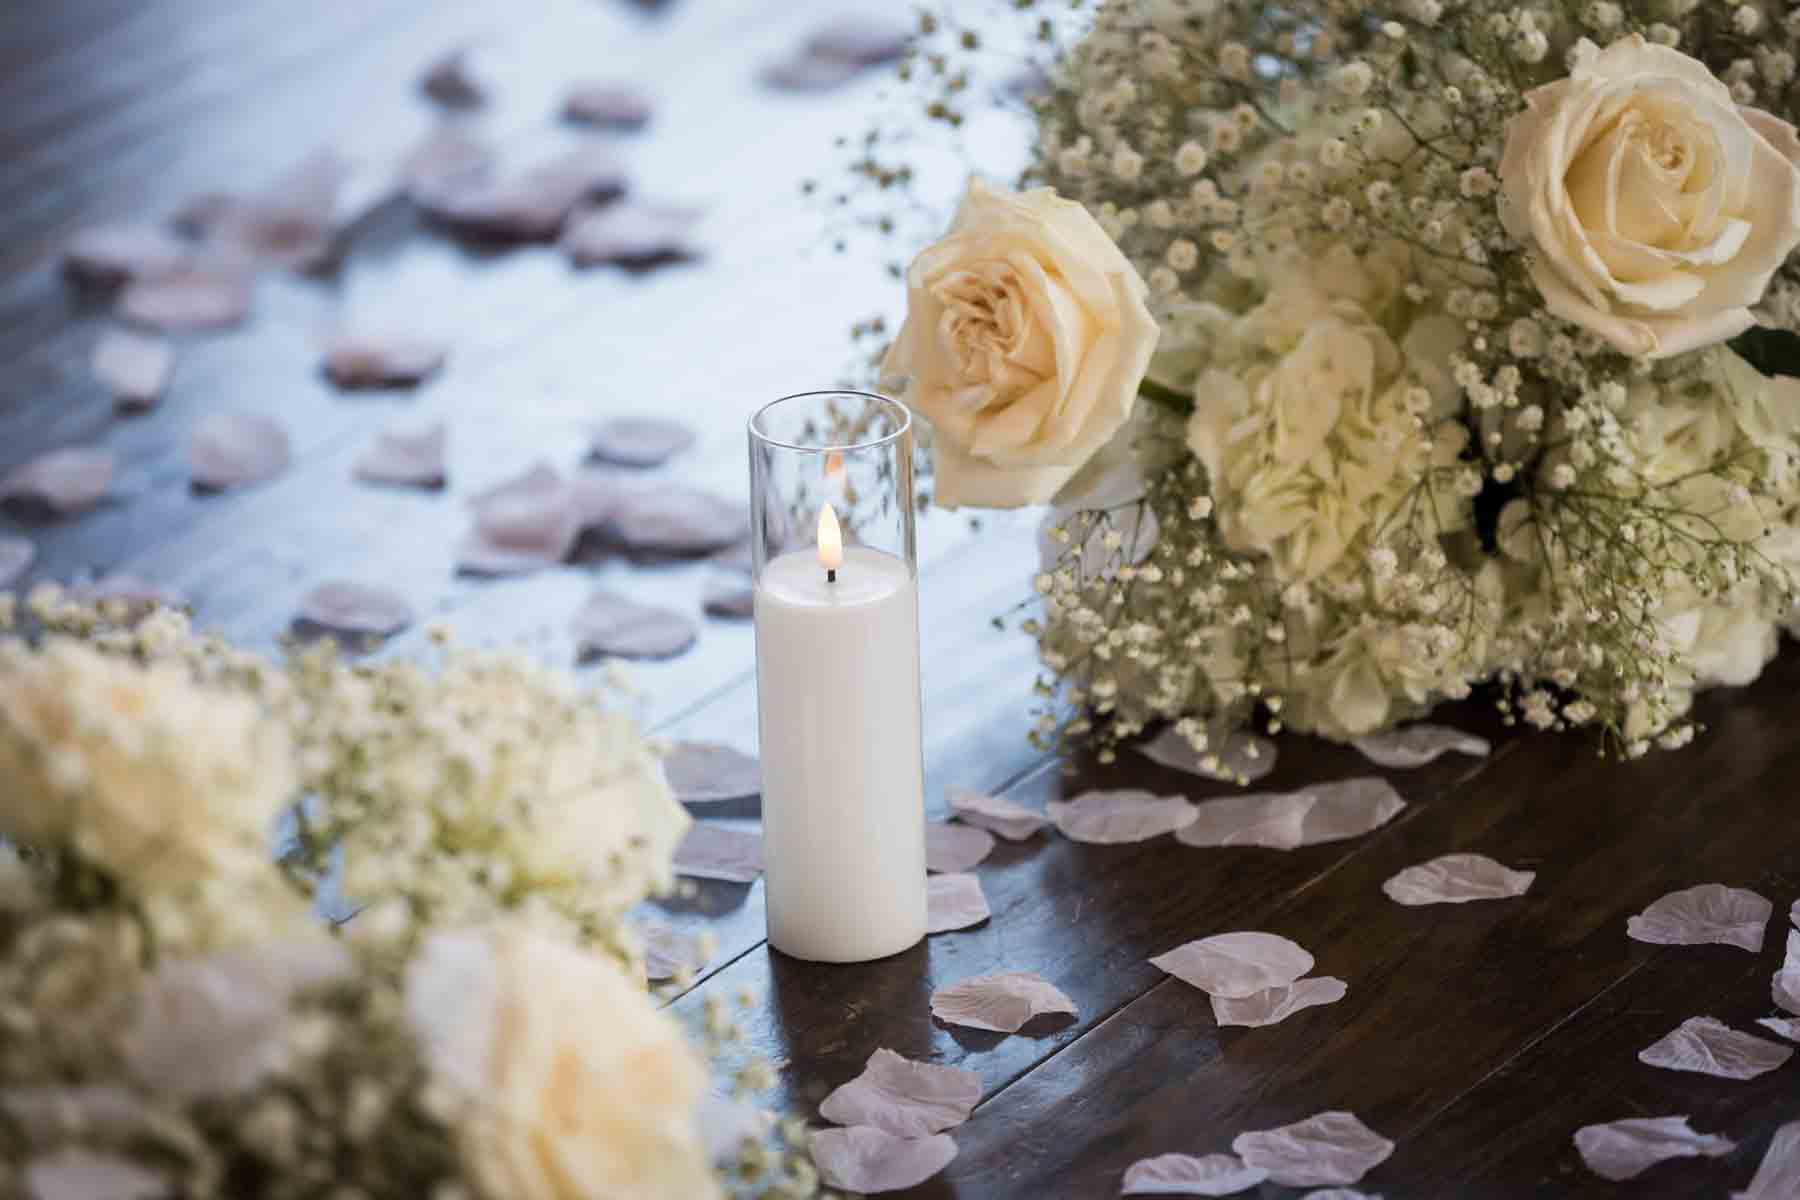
<point>830,574</point>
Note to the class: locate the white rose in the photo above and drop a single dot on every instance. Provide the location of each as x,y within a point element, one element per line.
<point>1026,337</point>
<point>1656,207</point>
<point>566,1082</point>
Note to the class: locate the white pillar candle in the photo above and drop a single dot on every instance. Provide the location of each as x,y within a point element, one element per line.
<point>843,798</point>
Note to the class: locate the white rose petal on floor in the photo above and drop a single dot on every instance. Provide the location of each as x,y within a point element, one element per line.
<point>1787,1027</point>
<point>377,360</point>
<point>1350,808</point>
<point>605,105</point>
<point>1457,879</point>
<point>1233,756</point>
<point>524,523</point>
<point>1276,821</point>
<point>1186,1175</point>
<point>865,1159</point>
<point>236,449</point>
<point>1277,1004</point>
<point>67,481</point>
<point>1707,1046</point>
<point>1236,965</point>
<point>406,457</point>
<point>134,367</point>
<point>1416,745</point>
<point>610,625</point>
<point>720,852</point>
<point>345,606</point>
<point>1620,1150</point>
<point>640,441</point>
<point>953,902</point>
<point>108,255</point>
<point>1710,913</point>
<point>709,772</point>
<point>954,848</point>
<point>1785,987</point>
<point>189,300</point>
<point>729,596</point>
<point>996,814</point>
<point>1330,1148</point>
<point>1121,817</point>
<point>1001,1003</point>
<point>904,1098</point>
<point>676,521</point>
<point>1778,1177</point>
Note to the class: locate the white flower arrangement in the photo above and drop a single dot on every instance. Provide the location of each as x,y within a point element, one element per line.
<point>1468,363</point>
<point>175,1021</point>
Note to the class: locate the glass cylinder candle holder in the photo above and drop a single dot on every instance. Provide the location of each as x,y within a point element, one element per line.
<point>837,675</point>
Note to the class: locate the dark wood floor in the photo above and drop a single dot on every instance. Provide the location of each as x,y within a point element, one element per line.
<point>1478,1037</point>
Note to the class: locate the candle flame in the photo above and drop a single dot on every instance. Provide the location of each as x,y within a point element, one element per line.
<point>831,540</point>
<point>834,468</point>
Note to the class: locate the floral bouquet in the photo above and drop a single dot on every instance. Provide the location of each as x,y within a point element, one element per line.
<point>1373,352</point>
<point>175,1020</point>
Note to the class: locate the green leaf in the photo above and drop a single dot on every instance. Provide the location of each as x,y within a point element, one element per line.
<point>1771,351</point>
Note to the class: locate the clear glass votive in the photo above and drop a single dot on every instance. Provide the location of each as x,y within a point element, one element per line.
<point>837,675</point>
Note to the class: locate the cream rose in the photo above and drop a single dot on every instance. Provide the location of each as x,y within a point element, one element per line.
<point>1656,208</point>
<point>1025,340</point>
<point>564,1081</point>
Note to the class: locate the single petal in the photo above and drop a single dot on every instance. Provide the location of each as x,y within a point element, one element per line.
<point>1330,1148</point>
<point>1620,1150</point>
<point>707,772</point>
<point>191,300</point>
<point>1002,1002</point>
<point>1787,1027</point>
<point>867,1160</point>
<point>1278,1004</point>
<point>377,360</point>
<point>606,105</point>
<point>710,851</point>
<point>106,255</point>
<point>1709,1047</point>
<point>1416,745</point>
<point>356,608</point>
<point>641,441</point>
<point>1778,1178</point>
<point>1457,879</point>
<point>1112,818</point>
<point>610,625</point>
<point>1705,914</point>
<point>1186,1175</point>
<point>67,481</point>
<point>955,847</point>
<point>1349,808</point>
<point>633,233</point>
<point>1230,755</point>
<point>996,814</point>
<point>905,1098</point>
<point>233,449</point>
<point>677,520</point>
<point>1273,820</point>
<point>1236,965</point>
<point>134,367</point>
<point>954,902</point>
<point>729,596</point>
<point>409,458</point>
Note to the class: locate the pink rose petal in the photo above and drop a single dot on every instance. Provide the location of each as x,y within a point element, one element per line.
<point>356,608</point>
<point>1620,1150</point>
<point>107,255</point>
<point>955,848</point>
<point>904,1098</point>
<point>1277,1004</point>
<point>368,360</point>
<point>530,206</point>
<point>1710,913</point>
<point>861,39</point>
<point>16,557</point>
<point>134,367</point>
<point>610,625</point>
<point>1114,818</point>
<point>677,521</point>
<point>1786,985</point>
<point>1787,1027</point>
<point>632,234</point>
<point>1416,745</point>
<point>1778,1178</point>
<point>1709,1047</point>
<point>1002,1002</point>
<point>954,902</point>
<point>1349,808</point>
<point>1185,1175</point>
<point>1276,821</point>
<point>997,815</point>
<point>641,441</point>
<point>291,222</point>
<point>1457,879</point>
<point>1236,965</point>
<point>193,299</point>
<point>66,481</point>
<point>866,1160</point>
<point>232,449</point>
<point>729,596</point>
<point>711,851</point>
<point>1324,1150</point>
<point>707,772</point>
<point>1232,756</point>
<point>406,458</point>
<point>529,521</point>
<point>607,106</point>
<point>444,158</point>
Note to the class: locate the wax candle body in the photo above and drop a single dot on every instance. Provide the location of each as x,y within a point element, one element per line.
<point>843,803</point>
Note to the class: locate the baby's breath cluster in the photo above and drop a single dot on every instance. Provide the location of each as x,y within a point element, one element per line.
<point>1404,434</point>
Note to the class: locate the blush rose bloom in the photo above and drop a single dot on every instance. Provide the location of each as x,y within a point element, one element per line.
<point>1025,340</point>
<point>1656,207</point>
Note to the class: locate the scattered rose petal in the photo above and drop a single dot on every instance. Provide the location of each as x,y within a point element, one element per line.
<point>1349,808</point>
<point>107,255</point>
<point>725,1124</point>
<point>1277,1004</point>
<point>607,106</point>
<point>134,367</point>
<point>406,458</point>
<point>1112,818</point>
<point>454,81</point>
<point>444,158</point>
<point>526,522</point>
<point>953,848</point>
<point>610,625</point>
<point>1457,879</point>
<point>1233,756</point>
<point>1002,1002</point>
<point>1269,819</point>
<point>231,449</point>
<point>801,72</point>
<point>997,815</point>
<point>729,596</point>
<point>865,1159</point>
<point>1778,1178</point>
<point>1696,916</point>
<point>356,608</point>
<point>16,557</point>
<point>641,441</point>
<point>954,902</point>
<point>192,299</point>
<point>1787,1027</point>
<point>1330,1148</point>
<point>1794,915</point>
<point>632,234</point>
<point>677,520</point>
<point>905,1098</point>
<point>1709,1047</point>
<point>1237,965</point>
<point>1620,1150</point>
<point>380,361</point>
<point>1416,745</point>
<point>76,1174</point>
<point>735,558</point>
<point>707,772</point>
<point>66,481</point>
<point>669,952</point>
<point>720,852</point>
<point>1185,1175</point>
<point>1786,985</point>
<point>291,222</point>
<point>598,495</point>
<point>866,41</point>
<point>530,206</point>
